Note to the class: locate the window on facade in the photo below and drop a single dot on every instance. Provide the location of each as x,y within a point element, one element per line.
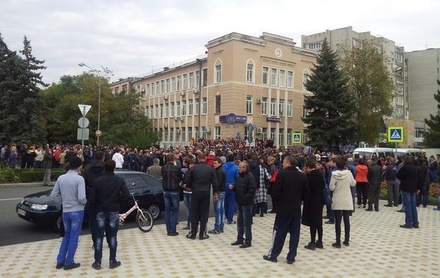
<point>272,133</point>
<point>191,80</point>
<point>399,111</point>
<point>157,88</point>
<point>197,79</point>
<point>289,108</point>
<point>168,85</point>
<point>314,45</point>
<point>399,100</point>
<point>282,80</point>
<point>190,133</point>
<point>218,73</point>
<point>305,112</point>
<point>265,75</point>
<point>249,104</point>
<point>184,138</point>
<point>306,77</point>
<point>172,109</point>
<point>185,81</point>
<point>178,109</point>
<point>173,84</point>
<point>162,86</point>
<point>197,106</point>
<point>281,137</point>
<point>281,107</point>
<point>217,132</point>
<point>166,111</point>
<point>264,105</point>
<point>178,83</point>
<point>273,78</point>
<point>204,106</point>
<point>289,136</point>
<point>399,57</point>
<point>250,72</point>
<point>196,132</point>
<point>273,102</point>
<point>419,132</point>
<point>205,78</point>
<point>190,107</point>
<point>289,79</point>
<point>156,111</point>
<point>218,104</point>
<point>264,133</point>
<point>183,107</point>
<point>161,114</point>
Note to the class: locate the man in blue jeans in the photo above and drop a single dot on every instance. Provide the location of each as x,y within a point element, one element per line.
<point>219,205</point>
<point>231,172</point>
<point>410,188</point>
<point>71,187</point>
<point>108,192</point>
<point>171,178</point>
<point>244,188</point>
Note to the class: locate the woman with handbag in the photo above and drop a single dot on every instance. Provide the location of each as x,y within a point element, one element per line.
<point>312,211</point>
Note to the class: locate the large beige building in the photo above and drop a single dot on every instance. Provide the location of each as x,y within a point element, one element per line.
<point>243,85</point>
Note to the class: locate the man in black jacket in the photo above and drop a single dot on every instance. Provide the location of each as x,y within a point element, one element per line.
<point>409,186</point>
<point>289,190</point>
<point>171,178</point>
<point>244,188</point>
<point>92,172</point>
<point>199,179</point>
<point>108,191</point>
<point>219,205</point>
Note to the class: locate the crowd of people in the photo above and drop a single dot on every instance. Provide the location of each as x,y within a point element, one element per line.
<point>239,179</point>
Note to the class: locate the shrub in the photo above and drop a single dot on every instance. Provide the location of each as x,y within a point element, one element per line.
<point>8,175</point>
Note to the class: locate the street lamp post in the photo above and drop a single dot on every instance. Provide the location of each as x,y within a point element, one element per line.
<point>105,72</point>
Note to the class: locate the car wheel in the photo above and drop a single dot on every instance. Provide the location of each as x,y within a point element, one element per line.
<point>154,209</point>
<point>58,223</point>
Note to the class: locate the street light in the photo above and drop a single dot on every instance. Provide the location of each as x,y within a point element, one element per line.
<point>103,73</point>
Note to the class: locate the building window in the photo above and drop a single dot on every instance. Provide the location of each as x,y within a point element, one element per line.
<point>190,135</point>
<point>190,107</point>
<point>197,106</point>
<point>399,57</point>
<point>314,46</point>
<point>157,88</point>
<point>289,136</point>
<point>272,134</point>
<point>273,79</point>
<point>204,106</point>
<point>205,78</point>
<point>281,107</point>
<point>282,80</point>
<point>217,132</point>
<point>273,102</point>
<point>183,107</point>
<point>191,80</point>
<point>264,106</point>
<point>166,111</point>
<point>218,73</point>
<point>306,78</point>
<point>179,83</point>
<point>264,133</point>
<point>218,104</point>
<point>173,84</point>
<point>305,112</point>
<point>172,109</point>
<point>289,108</point>
<point>265,75</point>
<point>399,101</point>
<point>249,104</point>
<point>250,72</point>
<point>281,137</point>
<point>161,115</point>
<point>289,79</point>
<point>185,81</point>
<point>197,79</point>
<point>178,111</point>
<point>419,132</point>
<point>399,111</point>
<point>162,86</point>
<point>183,134</point>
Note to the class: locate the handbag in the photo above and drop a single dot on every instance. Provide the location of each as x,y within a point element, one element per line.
<point>273,178</point>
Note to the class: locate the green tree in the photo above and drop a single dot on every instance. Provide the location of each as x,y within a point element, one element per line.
<point>21,106</point>
<point>372,89</point>
<point>432,135</point>
<point>331,106</point>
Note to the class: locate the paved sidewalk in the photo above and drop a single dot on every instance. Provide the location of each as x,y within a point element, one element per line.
<point>378,248</point>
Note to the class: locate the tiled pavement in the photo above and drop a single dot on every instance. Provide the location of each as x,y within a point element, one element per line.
<point>378,248</point>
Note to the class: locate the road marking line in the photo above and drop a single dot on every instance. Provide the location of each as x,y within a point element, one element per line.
<point>11,199</point>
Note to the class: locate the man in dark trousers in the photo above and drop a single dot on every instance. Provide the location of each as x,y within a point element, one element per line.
<point>199,179</point>
<point>289,190</point>
<point>92,172</point>
<point>108,191</point>
<point>374,180</point>
<point>171,178</point>
<point>244,188</point>
<point>409,186</point>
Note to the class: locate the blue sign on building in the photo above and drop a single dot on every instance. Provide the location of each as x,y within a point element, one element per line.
<point>231,118</point>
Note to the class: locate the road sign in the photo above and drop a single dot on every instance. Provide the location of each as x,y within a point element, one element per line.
<point>82,134</point>
<point>98,133</point>
<point>296,138</point>
<point>84,108</point>
<point>83,122</point>
<point>395,134</point>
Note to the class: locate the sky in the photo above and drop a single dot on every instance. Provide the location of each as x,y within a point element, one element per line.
<point>132,38</point>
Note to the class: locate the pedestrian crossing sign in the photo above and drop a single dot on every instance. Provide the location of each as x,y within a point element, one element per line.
<point>296,138</point>
<point>395,134</point>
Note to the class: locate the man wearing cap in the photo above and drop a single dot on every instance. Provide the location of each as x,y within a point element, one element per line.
<point>71,187</point>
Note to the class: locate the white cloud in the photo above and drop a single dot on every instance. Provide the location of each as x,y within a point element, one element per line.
<point>133,37</point>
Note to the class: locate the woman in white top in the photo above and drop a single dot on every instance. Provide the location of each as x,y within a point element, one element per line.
<point>342,202</point>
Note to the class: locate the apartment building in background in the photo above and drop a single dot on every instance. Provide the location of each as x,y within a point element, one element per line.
<point>243,85</point>
<point>396,63</point>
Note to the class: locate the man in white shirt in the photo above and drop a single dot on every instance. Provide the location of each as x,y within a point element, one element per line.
<point>119,158</point>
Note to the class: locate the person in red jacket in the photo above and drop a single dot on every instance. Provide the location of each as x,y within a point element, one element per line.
<point>361,183</point>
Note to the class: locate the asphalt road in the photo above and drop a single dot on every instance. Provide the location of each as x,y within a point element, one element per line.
<point>14,230</point>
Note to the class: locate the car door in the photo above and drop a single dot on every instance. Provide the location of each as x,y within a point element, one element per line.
<point>137,186</point>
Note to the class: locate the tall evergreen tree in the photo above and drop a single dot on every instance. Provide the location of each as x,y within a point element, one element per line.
<point>21,105</point>
<point>330,106</point>
<point>432,135</point>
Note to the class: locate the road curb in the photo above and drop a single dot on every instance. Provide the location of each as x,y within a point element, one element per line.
<point>27,184</point>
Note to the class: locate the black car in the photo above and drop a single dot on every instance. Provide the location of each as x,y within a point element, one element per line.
<point>42,209</point>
